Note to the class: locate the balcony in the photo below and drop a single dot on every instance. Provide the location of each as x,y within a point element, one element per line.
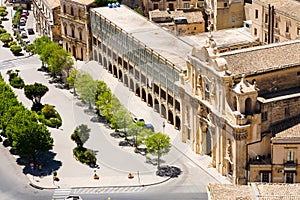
<point>290,163</point>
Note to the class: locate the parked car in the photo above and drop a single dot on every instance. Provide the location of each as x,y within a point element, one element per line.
<point>138,119</point>
<point>27,41</point>
<point>30,31</point>
<point>73,197</point>
<point>24,15</point>
<point>23,34</point>
<point>149,126</point>
<point>22,23</point>
<point>25,12</point>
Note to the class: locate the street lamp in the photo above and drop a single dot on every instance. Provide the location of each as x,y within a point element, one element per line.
<point>164,125</point>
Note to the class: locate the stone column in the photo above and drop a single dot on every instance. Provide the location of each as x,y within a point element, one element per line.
<point>239,156</point>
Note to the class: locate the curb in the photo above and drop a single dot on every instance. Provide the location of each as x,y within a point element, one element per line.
<point>9,60</point>
<point>108,186</point>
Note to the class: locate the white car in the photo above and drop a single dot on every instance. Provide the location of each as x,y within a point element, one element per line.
<point>23,34</point>
<point>138,119</point>
<point>73,197</point>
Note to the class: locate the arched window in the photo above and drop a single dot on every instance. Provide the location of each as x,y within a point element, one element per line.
<point>234,103</point>
<point>66,30</point>
<point>72,11</point>
<point>248,106</point>
<point>67,47</point>
<point>64,9</point>
<point>73,32</point>
<point>207,92</point>
<point>79,12</point>
<point>80,35</point>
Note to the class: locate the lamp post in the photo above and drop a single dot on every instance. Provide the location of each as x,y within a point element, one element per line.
<point>164,125</point>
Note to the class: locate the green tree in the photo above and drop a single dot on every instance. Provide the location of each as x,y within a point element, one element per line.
<point>72,78</point>
<point>122,118</point>
<point>35,92</point>
<point>15,49</point>
<point>6,38</point>
<point>103,95</point>
<point>27,136</point>
<point>134,129</point>
<point>60,60</point>
<point>158,144</point>
<point>47,52</point>
<point>81,134</point>
<point>86,87</point>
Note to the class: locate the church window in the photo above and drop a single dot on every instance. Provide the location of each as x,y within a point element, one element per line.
<point>207,92</point>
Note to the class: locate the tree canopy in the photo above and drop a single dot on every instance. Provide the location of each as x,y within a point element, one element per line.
<point>86,87</point>
<point>81,134</point>
<point>158,144</point>
<point>35,92</point>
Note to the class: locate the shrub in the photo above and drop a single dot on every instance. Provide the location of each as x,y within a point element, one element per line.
<point>17,82</point>
<point>2,30</point>
<point>18,8</point>
<point>12,43</point>
<point>84,155</point>
<point>48,111</point>
<point>15,49</point>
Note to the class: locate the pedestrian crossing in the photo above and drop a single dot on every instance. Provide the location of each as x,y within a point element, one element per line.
<point>63,193</point>
<point>104,190</point>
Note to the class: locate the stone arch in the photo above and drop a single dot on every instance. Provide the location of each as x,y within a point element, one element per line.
<point>234,103</point>
<point>119,61</point>
<point>170,117</point>
<point>95,56</point>
<point>248,105</point>
<point>104,62</point>
<point>144,95</point>
<point>110,68</point>
<point>74,51</point>
<point>208,142</point>
<point>115,71</point>
<point>131,86</point>
<point>163,111</point>
<point>156,105</point>
<point>126,80</point>
<point>120,75</point>
<point>177,123</point>
<point>137,90</point>
<point>100,59</point>
<point>150,101</point>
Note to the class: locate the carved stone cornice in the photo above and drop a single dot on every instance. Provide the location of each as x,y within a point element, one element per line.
<point>240,134</point>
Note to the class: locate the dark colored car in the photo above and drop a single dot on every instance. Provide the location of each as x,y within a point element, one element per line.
<point>30,31</point>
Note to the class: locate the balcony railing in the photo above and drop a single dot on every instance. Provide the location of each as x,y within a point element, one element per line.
<point>290,162</point>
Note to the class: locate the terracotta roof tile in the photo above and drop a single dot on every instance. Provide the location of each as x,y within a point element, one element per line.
<point>263,57</point>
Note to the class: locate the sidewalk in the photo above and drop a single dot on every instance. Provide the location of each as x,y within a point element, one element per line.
<point>131,102</point>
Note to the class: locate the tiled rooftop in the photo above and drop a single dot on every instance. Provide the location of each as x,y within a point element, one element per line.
<point>292,132</point>
<point>223,38</point>
<point>289,7</point>
<point>263,58</point>
<point>152,35</point>
<point>259,191</point>
<point>229,192</point>
<point>85,2</point>
<point>52,3</point>
<point>192,17</point>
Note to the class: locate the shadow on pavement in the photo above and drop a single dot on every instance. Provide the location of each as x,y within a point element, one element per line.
<point>44,165</point>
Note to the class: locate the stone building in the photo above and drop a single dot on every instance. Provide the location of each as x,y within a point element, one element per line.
<point>224,14</point>
<point>233,102</point>
<point>46,14</point>
<point>179,22</point>
<point>142,55</point>
<point>275,20</point>
<point>75,31</point>
<point>281,165</point>
<point>170,5</point>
